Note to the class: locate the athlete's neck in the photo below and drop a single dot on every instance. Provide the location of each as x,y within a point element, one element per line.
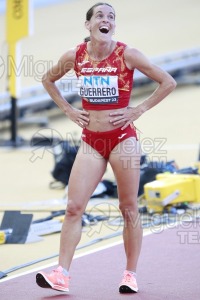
<point>99,51</point>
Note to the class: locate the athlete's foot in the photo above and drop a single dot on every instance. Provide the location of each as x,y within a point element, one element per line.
<point>128,283</point>
<point>55,280</point>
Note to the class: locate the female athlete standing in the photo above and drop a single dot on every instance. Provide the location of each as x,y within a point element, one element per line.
<point>105,70</point>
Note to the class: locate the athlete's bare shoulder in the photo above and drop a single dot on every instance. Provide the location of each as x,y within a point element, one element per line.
<point>134,57</point>
<point>68,56</point>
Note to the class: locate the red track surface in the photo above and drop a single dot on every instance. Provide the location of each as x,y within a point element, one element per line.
<point>169,268</point>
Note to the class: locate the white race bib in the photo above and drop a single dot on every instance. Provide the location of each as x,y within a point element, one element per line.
<point>99,89</point>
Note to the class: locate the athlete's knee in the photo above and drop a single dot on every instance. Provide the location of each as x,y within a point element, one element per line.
<point>130,215</point>
<point>74,209</point>
<point>129,209</point>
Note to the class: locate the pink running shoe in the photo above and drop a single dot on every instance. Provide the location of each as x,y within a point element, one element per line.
<point>128,284</point>
<point>55,280</point>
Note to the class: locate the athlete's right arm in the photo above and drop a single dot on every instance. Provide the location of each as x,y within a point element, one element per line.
<point>64,65</point>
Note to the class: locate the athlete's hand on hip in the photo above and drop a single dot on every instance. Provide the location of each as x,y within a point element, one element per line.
<point>125,116</point>
<point>80,117</point>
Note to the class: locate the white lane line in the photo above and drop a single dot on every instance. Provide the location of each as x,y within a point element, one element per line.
<point>75,257</point>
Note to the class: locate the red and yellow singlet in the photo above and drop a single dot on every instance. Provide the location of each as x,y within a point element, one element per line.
<point>105,84</point>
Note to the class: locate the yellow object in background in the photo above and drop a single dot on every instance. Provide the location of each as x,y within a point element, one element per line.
<point>2,237</point>
<point>170,189</point>
<point>18,19</point>
<point>19,24</point>
<point>4,234</point>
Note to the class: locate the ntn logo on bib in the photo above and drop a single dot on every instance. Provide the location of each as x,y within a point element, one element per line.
<point>99,89</point>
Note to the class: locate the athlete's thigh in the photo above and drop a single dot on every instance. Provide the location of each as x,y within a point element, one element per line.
<point>125,162</point>
<point>86,173</point>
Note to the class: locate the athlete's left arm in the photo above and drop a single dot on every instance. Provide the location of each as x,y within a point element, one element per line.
<point>134,59</point>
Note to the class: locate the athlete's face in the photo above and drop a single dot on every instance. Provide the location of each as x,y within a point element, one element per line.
<point>102,23</point>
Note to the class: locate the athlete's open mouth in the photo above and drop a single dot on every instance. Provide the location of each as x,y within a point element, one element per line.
<point>104,29</point>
